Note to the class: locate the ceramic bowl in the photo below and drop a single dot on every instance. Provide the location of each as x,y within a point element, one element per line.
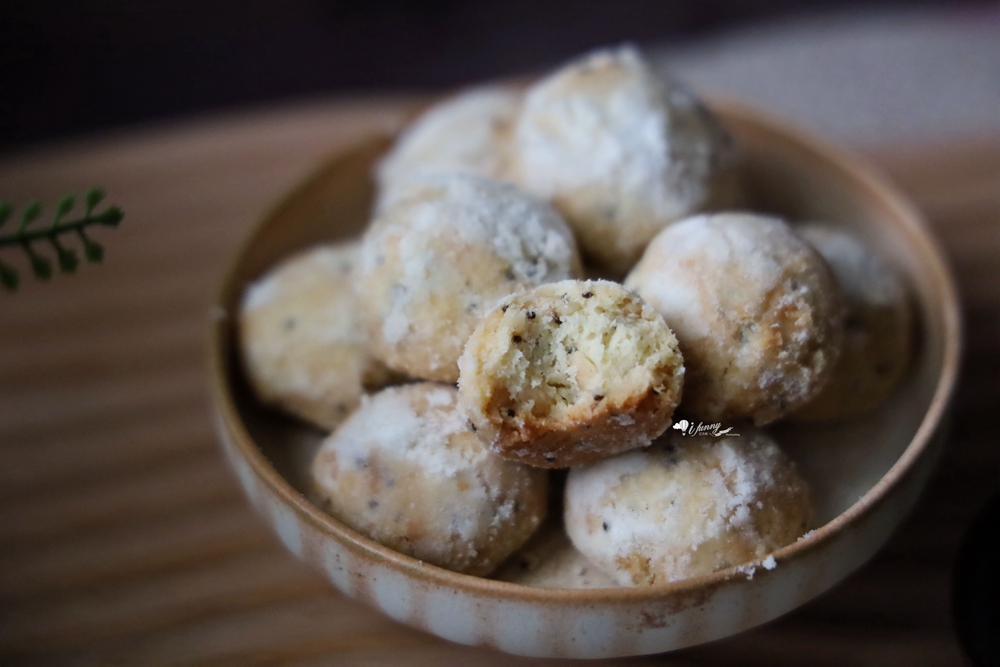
<point>865,474</point>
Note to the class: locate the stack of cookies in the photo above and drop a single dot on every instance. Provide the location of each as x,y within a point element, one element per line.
<point>564,278</point>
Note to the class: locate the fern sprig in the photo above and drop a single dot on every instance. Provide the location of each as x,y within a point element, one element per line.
<point>28,236</point>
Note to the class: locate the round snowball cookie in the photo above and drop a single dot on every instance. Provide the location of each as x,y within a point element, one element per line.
<point>755,309</point>
<point>570,372</point>
<point>878,337</point>
<point>620,151</point>
<point>438,259</point>
<point>468,133</point>
<point>302,343</point>
<point>686,507</point>
<point>549,560</point>
<point>406,471</point>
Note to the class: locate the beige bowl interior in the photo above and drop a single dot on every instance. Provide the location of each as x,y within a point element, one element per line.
<point>852,467</point>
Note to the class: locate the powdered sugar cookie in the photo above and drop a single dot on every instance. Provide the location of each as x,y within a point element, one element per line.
<point>755,309</point>
<point>686,507</point>
<point>406,471</point>
<point>878,337</point>
<point>468,133</point>
<point>303,347</point>
<point>438,259</point>
<point>570,372</point>
<point>550,560</point>
<point>620,152</point>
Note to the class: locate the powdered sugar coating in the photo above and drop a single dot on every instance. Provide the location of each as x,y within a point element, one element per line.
<point>686,507</point>
<point>406,471</point>
<point>620,152</point>
<point>470,132</point>
<point>302,344</point>
<point>878,336</point>
<point>755,309</point>
<point>550,560</point>
<point>438,259</point>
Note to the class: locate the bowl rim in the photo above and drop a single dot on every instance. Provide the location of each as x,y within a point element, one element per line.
<point>857,169</point>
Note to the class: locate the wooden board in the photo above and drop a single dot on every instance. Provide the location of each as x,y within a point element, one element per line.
<point>125,541</point>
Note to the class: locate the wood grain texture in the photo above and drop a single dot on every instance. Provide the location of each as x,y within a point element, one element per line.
<point>123,538</point>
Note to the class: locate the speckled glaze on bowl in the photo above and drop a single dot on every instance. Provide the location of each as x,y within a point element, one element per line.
<point>865,474</point>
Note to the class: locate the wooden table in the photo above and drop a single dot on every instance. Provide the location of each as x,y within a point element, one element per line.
<point>125,541</point>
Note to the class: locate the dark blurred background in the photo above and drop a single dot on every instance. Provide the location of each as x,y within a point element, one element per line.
<point>69,67</point>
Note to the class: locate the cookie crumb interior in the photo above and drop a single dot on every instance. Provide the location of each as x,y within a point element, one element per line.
<point>578,350</point>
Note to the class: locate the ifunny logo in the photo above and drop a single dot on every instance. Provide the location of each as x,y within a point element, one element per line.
<point>715,430</point>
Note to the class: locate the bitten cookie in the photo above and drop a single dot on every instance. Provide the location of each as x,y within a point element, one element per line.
<point>755,309</point>
<point>686,507</point>
<point>438,259</point>
<point>570,372</point>
<point>621,152</point>
<point>406,471</point>
<point>878,337</point>
<point>469,133</point>
<point>303,347</point>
